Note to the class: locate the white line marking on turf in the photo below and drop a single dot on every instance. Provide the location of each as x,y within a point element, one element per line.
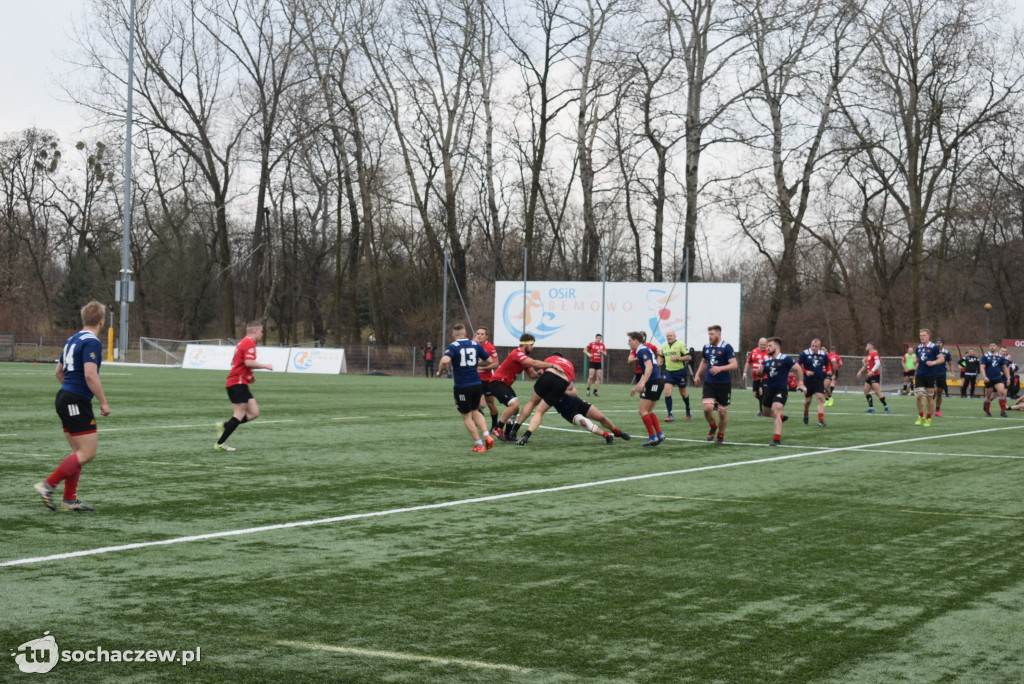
<point>479,499</point>
<point>403,656</point>
<point>932,453</point>
<point>962,515</point>
<point>351,418</point>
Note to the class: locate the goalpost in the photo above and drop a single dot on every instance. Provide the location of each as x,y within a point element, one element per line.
<point>166,352</point>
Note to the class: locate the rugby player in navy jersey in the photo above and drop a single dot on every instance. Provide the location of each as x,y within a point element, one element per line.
<point>467,357</point>
<point>650,386</point>
<point>929,358</point>
<point>717,362</point>
<point>814,361</point>
<point>996,370</point>
<point>78,372</point>
<point>775,384</point>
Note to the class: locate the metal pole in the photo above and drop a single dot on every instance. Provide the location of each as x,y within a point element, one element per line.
<point>604,284</point>
<point>686,297</point>
<point>444,305</point>
<point>126,274</point>
<point>526,251</point>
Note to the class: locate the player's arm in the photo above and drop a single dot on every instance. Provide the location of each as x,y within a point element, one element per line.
<point>59,373</point>
<point>799,376</point>
<point>254,364</point>
<point>539,365</point>
<point>92,379</point>
<point>700,373</point>
<point>443,364</point>
<point>489,364</point>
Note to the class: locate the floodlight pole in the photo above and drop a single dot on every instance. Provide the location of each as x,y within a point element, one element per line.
<point>686,297</point>
<point>444,303</point>
<point>526,252</point>
<point>124,290</point>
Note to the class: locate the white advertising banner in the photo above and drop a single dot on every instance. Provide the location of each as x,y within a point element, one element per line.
<point>317,360</point>
<point>218,357</point>
<point>566,315</point>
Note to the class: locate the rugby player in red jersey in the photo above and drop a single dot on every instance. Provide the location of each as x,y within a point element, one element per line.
<point>243,405</point>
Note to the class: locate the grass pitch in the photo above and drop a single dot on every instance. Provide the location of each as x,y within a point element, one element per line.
<point>353,537</point>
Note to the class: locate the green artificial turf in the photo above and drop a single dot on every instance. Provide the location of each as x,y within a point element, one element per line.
<point>855,553</point>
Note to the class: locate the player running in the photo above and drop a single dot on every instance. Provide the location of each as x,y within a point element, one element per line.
<point>996,370</point>
<point>718,361</point>
<point>464,356</point>
<point>649,386</point>
<point>872,370</point>
<point>755,358</point>
<point>775,384</point>
<point>675,356</point>
<point>78,372</point>
<point>481,336</point>
<point>814,361</point>
<point>835,362</point>
<point>928,356</point>
<point>244,408</point>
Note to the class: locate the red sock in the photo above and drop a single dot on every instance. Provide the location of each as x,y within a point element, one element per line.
<point>1002,405</point>
<point>714,426</point>
<point>988,405</point>
<point>921,413</point>
<point>68,467</point>
<point>929,416</point>
<point>657,423</point>
<point>821,417</point>
<point>778,437</point>
<point>649,424</point>
<point>71,486</point>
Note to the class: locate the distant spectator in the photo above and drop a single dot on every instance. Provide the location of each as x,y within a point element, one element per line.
<point>428,358</point>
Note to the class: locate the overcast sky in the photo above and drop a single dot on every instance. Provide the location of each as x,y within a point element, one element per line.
<point>33,34</point>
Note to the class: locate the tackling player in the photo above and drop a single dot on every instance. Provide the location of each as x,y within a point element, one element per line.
<point>515,363</point>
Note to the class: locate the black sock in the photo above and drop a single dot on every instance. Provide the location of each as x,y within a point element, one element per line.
<point>871,401</point>
<point>882,399</point>
<point>494,420</point>
<point>245,419</point>
<point>229,427</point>
<point>526,435</point>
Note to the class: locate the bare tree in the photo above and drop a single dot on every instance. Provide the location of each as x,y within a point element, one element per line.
<point>933,79</point>
<point>801,53</point>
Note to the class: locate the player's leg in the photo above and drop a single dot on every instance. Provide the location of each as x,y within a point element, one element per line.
<point>821,408</point>
<point>594,413</point>
<point>881,395</point>
<point>535,421</point>
<point>867,395</point>
<point>597,379</point>
<point>686,399</point>
<point>668,401</point>
<point>776,413</point>
<point>1002,399</point>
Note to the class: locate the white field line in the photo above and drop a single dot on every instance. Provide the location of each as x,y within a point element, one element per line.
<point>932,453</point>
<point>403,656</point>
<point>414,479</point>
<point>474,500</point>
<point>946,514</point>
